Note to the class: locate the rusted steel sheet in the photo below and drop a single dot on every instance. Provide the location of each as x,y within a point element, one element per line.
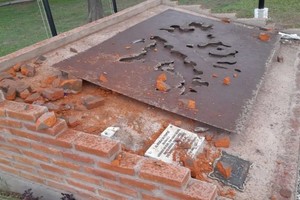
<point>195,54</point>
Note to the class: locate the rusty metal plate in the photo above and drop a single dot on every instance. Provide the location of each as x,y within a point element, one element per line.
<point>194,53</point>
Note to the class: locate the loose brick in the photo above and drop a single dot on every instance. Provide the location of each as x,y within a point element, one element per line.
<point>91,101</point>
<point>78,158</point>
<point>96,145</point>
<point>53,94</point>
<point>196,190</point>
<point>66,164</point>
<point>33,97</point>
<point>48,80</point>
<point>10,123</point>
<point>45,149</point>
<point>17,67</point>
<point>11,93</point>
<point>222,142</point>
<point>23,111</point>
<point>137,184</point>
<point>59,126</point>
<point>20,143</point>
<point>72,121</point>
<point>47,120</point>
<point>120,189</point>
<point>27,70</point>
<point>9,148</point>
<point>24,94</point>
<point>52,169</point>
<point>52,107</point>
<point>5,75</point>
<point>111,195</point>
<point>164,173</point>
<point>100,173</point>
<point>81,186</point>
<point>124,163</point>
<point>71,85</point>
<point>50,176</point>
<point>8,169</point>
<point>35,156</point>
<point>84,178</point>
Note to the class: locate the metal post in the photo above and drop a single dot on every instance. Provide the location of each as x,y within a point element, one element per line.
<point>115,6</point>
<point>261,4</point>
<point>49,17</point>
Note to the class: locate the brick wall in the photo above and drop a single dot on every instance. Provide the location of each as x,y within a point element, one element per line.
<point>89,166</point>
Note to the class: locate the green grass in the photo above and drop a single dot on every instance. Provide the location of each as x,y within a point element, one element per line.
<point>284,12</point>
<point>21,25</point>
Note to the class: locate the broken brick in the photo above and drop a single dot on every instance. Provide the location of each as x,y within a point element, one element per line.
<point>222,142</point>
<point>47,120</point>
<point>21,86</point>
<point>12,72</point>
<point>226,81</point>
<point>6,83</point>
<point>72,121</point>
<point>72,85</point>
<point>224,169</point>
<point>102,78</point>
<point>53,94</point>
<point>27,70</point>
<point>33,97</point>
<point>162,86</point>
<point>17,67</point>
<point>56,83</point>
<point>11,93</point>
<point>91,101</point>
<point>5,75</point>
<point>50,79</point>
<point>24,94</point>
<point>264,37</point>
<point>52,107</point>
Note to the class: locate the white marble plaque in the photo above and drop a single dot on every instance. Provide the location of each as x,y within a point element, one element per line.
<point>163,147</point>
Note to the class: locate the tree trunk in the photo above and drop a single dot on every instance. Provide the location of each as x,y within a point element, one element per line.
<point>95,10</point>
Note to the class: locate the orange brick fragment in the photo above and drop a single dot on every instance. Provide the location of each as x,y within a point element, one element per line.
<point>162,86</point>
<point>222,142</point>
<point>264,37</point>
<point>225,171</point>
<point>102,78</point>
<point>226,81</point>
<point>191,104</point>
<point>161,77</point>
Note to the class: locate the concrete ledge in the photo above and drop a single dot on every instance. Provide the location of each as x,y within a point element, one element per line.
<point>47,45</point>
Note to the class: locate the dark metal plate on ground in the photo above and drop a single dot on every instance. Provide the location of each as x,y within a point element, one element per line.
<point>239,171</point>
<point>196,55</point>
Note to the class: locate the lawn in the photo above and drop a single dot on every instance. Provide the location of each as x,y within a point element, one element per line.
<point>284,12</point>
<point>21,24</point>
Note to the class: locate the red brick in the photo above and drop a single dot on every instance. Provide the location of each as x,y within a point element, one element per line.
<point>4,161</point>
<point>84,178</point>
<point>9,148</point>
<point>78,158</point>
<point>150,197</point>
<point>66,164</point>
<point>24,134</point>
<point>53,94</point>
<point>10,123</point>
<point>27,70</point>
<point>20,143</point>
<point>25,161</point>
<point>91,101</point>
<point>124,163</point>
<point>45,121</point>
<point>72,85</point>
<point>52,169</point>
<point>164,173</point>
<point>56,142</point>
<point>50,176</point>
<point>195,190</point>
<point>59,126</point>
<point>23,167</point>
<point>35,156</point>
<point>81,186</point>
<point>137,184</point>
<point>100,173</point>
<point>120,189</point>
<point>33,97</point>
<point>11,93</point>
<point>111,195</point>
<point>62,187</point>
<point>45,149</point>
<point>97,145</point>
<point>24,94</point>
<point>10,170</point>
<point>23,111</point>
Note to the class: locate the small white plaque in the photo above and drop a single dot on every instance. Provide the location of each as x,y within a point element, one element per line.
<point>110,131</point>
<point>163,147</point>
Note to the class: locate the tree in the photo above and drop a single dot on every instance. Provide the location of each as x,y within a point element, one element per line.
<point>95,10</point>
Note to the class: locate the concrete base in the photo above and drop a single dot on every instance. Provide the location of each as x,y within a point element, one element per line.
<point>19,185</point>
<point>261,13</point>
